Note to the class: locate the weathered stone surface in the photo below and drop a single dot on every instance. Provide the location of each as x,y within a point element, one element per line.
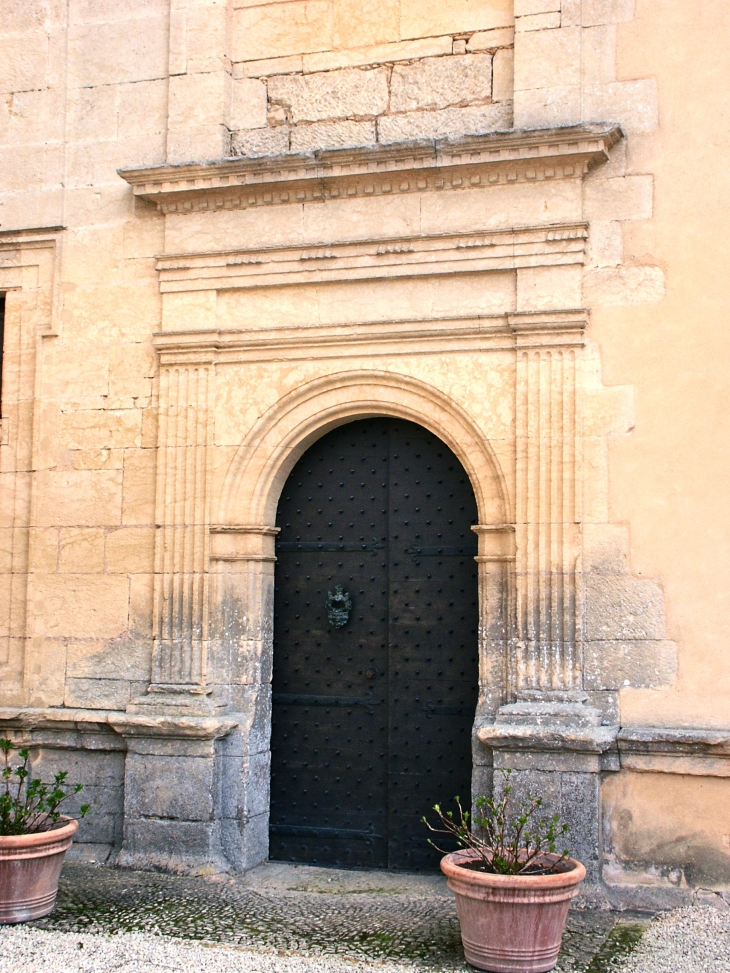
<point>365,23</point>
<point>638,663</point>
<point>441,124</point>
<point>81,550</point>
<point>624,608</point>
<point>526,8</point>
<point>90,606</point>
<point>176,846</point>
<point>247,104</point>
<point>627,198</point>
<point>280,29</point>
<point>440,82</point>
<point>607,11</point>
<point>503,75</point>
<point>485,40</point>
<point>331,94</point>
<point>169,787</point>
<point>547,59</point>
<point>329,135</point>
<point>625,285</point>
<point>634,102</point>
<point>546,21</point>
<point>420,18</point>
<point>260,141</point>
<point>139,45</point>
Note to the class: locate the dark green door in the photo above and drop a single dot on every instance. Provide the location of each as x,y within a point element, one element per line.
<point>374,689</point>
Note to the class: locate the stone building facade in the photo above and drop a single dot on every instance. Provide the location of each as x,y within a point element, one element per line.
<point>229,227</point>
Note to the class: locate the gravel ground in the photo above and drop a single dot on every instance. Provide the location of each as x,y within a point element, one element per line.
<point>695,940</point>
<point>381,919</point>
<point>294,921</point>
<point>24,950</point>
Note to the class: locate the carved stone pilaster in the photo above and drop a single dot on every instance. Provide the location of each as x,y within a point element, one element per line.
<point>240,644</point>
<point>547,650</point>
<point>179,654</point>
<point>495,562</point>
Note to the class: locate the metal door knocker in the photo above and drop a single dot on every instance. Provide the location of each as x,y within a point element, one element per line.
<point>338,607</point>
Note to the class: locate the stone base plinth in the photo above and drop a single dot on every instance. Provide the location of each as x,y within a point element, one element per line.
<point>556,749</point>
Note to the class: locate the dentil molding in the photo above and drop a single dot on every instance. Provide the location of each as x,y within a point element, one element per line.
<point>447,164</point>
<point>415,256</point>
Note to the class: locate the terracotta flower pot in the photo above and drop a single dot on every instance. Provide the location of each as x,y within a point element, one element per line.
<point>511,923</point>
<point>30,865</point>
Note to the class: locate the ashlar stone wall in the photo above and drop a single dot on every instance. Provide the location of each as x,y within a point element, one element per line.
<point>103,274</point>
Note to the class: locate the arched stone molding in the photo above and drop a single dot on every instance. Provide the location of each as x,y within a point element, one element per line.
<point>267,456</point>
<point>240,645</point>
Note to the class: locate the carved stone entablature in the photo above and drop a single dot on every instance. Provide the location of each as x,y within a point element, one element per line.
<point>375,170</point>
<point>511,249</point>
<point>552,329</point>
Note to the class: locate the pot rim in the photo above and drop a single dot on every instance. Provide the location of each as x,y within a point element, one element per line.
<point>452,870</point>
<point>58,832</point>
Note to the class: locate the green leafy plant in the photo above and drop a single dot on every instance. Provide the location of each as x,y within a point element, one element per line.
<point>27,805</point>
<point>505,839</point>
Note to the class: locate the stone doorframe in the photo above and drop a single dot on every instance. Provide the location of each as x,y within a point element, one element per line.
<point>214,573</point>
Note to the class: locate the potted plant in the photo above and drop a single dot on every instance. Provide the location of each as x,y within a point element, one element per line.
<point>34,838</point>
<point>512,888</point>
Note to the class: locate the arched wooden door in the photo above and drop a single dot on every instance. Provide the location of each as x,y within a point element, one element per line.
<point>374,689</point>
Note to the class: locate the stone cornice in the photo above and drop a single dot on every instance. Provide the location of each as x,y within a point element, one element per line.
<point>415,256</point>
<point>484,160</point>
<point>125,724</point>
<point>675,750</point>
<point>180,728</point>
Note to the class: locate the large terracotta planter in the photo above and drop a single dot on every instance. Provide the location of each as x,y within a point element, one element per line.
<point>30,865</point>
<point>511,923</point>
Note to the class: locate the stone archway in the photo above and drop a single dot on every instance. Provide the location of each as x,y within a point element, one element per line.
<point>240,641</point>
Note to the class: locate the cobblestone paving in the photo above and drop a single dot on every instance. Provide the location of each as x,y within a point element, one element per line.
<point>371,916</point>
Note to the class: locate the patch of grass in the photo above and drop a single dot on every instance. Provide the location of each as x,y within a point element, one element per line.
<point>620,943</point>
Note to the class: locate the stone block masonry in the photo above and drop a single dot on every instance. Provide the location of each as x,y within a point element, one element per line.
<point>454,93</point>
<point>179,324</point>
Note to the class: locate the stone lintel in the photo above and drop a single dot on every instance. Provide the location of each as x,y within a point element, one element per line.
<point>445,164</point>
<point>515,248</point>
<point>485,333</point>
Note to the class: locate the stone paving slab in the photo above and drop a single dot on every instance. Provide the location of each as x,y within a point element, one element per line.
<point>361,917</point>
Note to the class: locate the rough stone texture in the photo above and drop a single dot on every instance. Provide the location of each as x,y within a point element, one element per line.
<point>642,664</point>
<point>440,82</point>
<point>625,607</point>
<point>442,124</point>
<point>485,40</point>
<point>332,135</point>
<point>247,108</point>
<point>331,94</point>
<point>261,141</point>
